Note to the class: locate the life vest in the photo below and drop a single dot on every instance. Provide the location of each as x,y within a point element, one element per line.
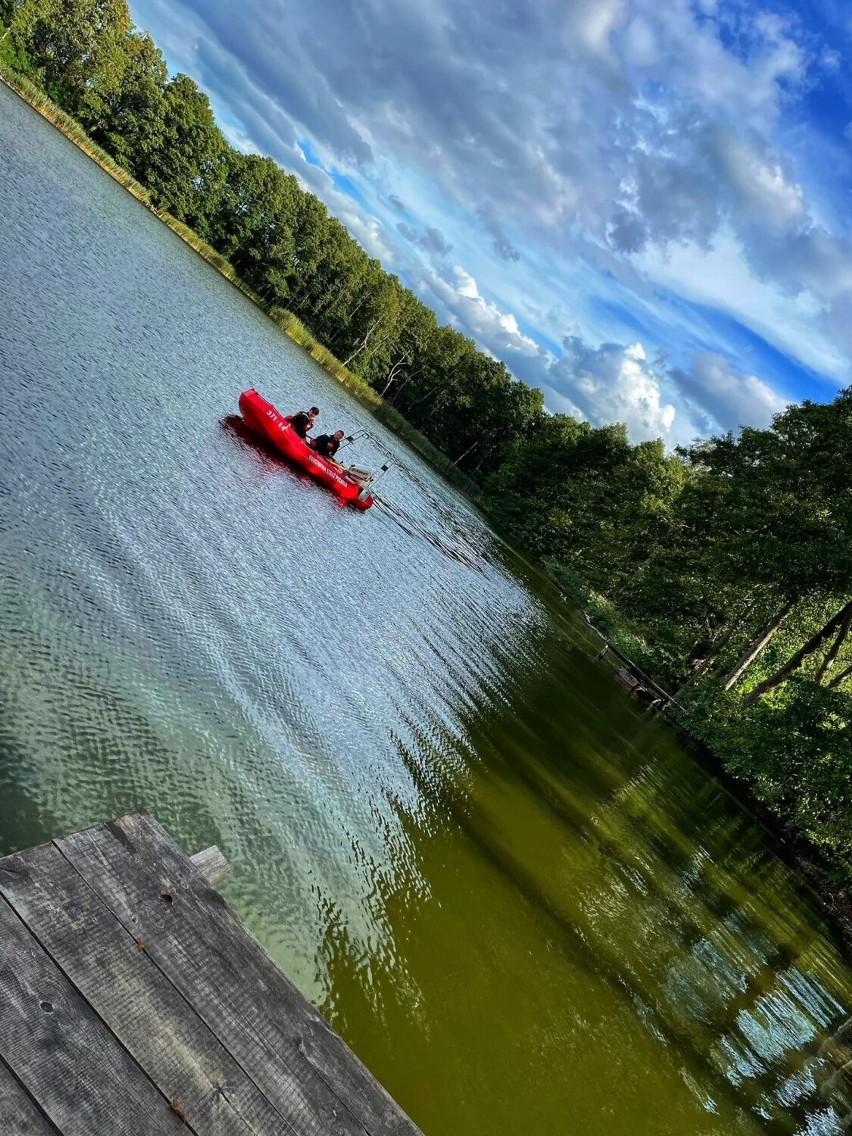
<point>304,414</point>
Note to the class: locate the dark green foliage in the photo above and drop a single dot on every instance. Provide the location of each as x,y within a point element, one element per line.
<point>797,755</point>
<point>786,501</point>
<point>724,569</point>
<point>252,220</point>
<point>132,110</point>
<point>75,48</point>
<point>688,560</point>
<point>12,55</point>
<point>181,158</point>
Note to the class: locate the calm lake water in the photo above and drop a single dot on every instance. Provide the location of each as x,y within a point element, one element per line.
<point>525,907</point>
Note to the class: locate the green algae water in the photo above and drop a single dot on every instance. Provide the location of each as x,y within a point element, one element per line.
<point>525,907</point>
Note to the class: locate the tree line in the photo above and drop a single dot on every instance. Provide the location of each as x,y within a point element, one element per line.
<point>723,568</point>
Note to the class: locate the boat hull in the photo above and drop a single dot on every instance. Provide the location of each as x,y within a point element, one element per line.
<point>262,418</point>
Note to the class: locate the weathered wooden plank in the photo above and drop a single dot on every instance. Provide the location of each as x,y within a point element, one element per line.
<point>252,1008</point>
<point>134,998</point>
<point>211,864</point>
<point>19,1114</point>
<point>65,1058</point>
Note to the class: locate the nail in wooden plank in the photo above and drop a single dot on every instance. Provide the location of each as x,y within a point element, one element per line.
<point>63,1055</point>
<point>136,1001</point>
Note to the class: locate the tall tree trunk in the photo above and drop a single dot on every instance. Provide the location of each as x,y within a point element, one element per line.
<point>796,661</point>
<point>831,655</point>
<point>364,342</point>
<point>838,678</point>
<point>467,451</point>
<point>360,305</point>
<point>392,374</point>
<point>325,299</point>
<point>348,318</point>
<point>377,343</point>
<point>756,645</point>
<point>716,649</point>
<point>411,375</point>
<point>433,393</point>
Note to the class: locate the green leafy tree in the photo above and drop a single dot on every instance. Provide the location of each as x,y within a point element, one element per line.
<point>182,156</point>
<point>251,222</point>
<point>798,756</point>
<point>132,109</point>
<point>76,50</point>
<point>784,512</point>
<point>407,355</point>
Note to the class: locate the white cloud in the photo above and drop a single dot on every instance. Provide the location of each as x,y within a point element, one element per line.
<point>616,382</point>
<point>495,330</point>
<point>720,277</point>
<point>721,399</point>
<point>760,187</point>
<point>613,383</point>
<point>595,20</point>
<point>239,140</point>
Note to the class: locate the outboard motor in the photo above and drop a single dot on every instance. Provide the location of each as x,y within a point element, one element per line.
<point>364,477</point>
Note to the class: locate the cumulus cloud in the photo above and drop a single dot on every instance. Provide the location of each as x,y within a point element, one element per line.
<point>497,330</point>
<point>617,383</point>
<point>613,383</point>
<point>535,116</point>
<point>609,383</point>
<point>721,399</point>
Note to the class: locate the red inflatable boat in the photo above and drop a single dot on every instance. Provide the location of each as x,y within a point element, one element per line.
<point>353,485</point>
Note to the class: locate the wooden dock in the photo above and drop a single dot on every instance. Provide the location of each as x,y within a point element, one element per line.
<point>133,1002</point>
<point>663,699</point>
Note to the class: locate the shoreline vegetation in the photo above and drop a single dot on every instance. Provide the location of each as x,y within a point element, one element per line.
<point>721,569</point>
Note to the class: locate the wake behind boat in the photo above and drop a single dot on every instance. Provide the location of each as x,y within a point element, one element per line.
<point>352,485</point>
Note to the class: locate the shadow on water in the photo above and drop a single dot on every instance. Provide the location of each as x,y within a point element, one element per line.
<point>24,822</point>
<point>650,882</point>
<point>413,526</point>
<point>268,460</point>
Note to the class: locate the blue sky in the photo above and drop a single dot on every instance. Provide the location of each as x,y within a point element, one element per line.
<point>641,207</point>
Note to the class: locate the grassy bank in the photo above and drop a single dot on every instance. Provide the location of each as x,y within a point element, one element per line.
<point>288,323</point>
<point>72,130</point>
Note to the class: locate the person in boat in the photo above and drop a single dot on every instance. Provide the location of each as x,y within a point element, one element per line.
<point>327,445</point>
<point>304,421</point>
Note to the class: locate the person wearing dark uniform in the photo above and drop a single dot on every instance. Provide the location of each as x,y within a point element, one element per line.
<point>303,421</point>
<point>328,444</point>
